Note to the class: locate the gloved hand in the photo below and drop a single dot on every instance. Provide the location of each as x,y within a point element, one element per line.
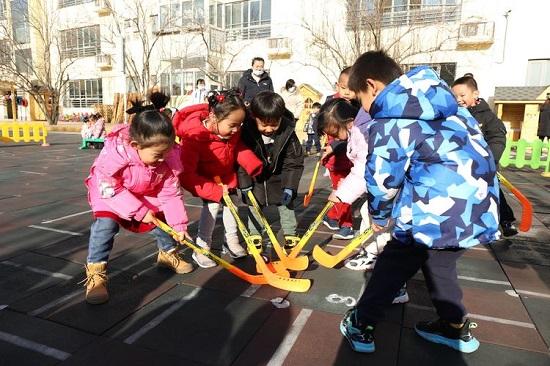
<point>244,194</point>
<point>287,196</point>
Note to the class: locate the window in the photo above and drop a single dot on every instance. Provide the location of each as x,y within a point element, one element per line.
<point>400,12</point>
<point>248,19</point>
<point>84,93</point>
<point>180,82</point>
<point>181,13</point>
<point>5,52</point>
<point>67,3</point>
<point>20,21</point>
<point>80,42</point>
<point>2,9</point>
<point>538,72</point>
<point>23,61</point>
<point>446,71</point>
<point>232,78</point>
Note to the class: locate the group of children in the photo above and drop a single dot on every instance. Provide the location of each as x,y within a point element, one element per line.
<point>400,141</point>
<point>93,127</point>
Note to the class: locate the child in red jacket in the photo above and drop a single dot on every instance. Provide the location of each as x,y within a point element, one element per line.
<point>211,146</point>
<point>339,166</point>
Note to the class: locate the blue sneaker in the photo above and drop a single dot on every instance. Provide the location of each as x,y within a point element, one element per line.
<point>345,233</point>
<point>330,223</point>
<point>360,340</point>
<point>440,331</point>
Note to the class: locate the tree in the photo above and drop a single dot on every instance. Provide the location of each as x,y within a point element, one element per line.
<point>376,25</point>
<point>46,78</point>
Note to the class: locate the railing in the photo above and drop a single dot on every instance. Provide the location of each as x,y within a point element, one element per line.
<point>258,32</point>
<point>400,16</point>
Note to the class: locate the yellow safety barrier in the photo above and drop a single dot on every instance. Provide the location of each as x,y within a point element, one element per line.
<point>23,132</point>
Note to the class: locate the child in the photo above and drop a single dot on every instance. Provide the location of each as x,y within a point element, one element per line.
<point>211,146</point>
<point>335,160</point>
<point>494,132</point>
<point>98,127</point>
<point>310,128</point>
<point>429,169</point>
<point>269,132</point>
<point>133,178</point>
<point>87,128</point>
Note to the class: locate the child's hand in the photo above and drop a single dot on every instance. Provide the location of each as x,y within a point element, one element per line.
<point>377,228</point>
<point>328,150</point>
<point>149,218</point>
<point>333,198</point>
<point>225,189</point>
<point>181,236</point>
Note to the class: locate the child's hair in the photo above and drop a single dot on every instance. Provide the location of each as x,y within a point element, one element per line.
<point>335,114</point>
<point>159,100</point>
<point>150,128</point>
<point>289,84</point>
<point>199,81</point>
<point>468,80</point>
<point>223,102</point>
<point>257,59</point>
<point>376,65</point>
<point>345,71</point>
<point>316,105</point>
<point>268,106</point>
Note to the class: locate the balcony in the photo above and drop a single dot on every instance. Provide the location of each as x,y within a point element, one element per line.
<point>103,62</point>
<point>103,7</point>
<point>279,48</point>
<point>476,35</point>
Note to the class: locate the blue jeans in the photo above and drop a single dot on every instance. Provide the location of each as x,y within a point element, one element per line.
<point>102,236</point>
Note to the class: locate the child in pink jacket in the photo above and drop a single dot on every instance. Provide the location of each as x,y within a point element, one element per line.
<point>133,180</point>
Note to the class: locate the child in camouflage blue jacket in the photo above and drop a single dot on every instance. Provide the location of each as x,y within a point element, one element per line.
<point>430,171</point>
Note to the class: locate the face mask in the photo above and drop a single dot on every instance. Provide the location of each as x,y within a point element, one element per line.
<point>258,72</point>
<point>292,90</point>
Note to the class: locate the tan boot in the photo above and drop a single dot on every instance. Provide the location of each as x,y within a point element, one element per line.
<point>172,260</point>
<point>96,283</point>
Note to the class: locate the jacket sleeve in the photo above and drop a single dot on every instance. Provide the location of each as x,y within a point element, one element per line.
<point>385,169</point>
<point>108,172</point>
<point>293,164</point>
<point>353,186</point>
<point>494,133</point>
<point>271,84</point>
<point>248,160</point>
<point>245,180</point>
<point>190,180</point>
<point>171,203</point>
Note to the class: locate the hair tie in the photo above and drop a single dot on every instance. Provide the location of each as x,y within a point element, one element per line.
<point>220,98</point>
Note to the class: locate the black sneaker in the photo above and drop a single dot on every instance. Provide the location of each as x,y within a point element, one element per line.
<point>330,223</point>
<point>360,340</point>
<point>509,229</point>
<point>440,331</point>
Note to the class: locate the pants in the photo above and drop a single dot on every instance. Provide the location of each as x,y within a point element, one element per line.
<point>102,236</point>
<point>506,213</point>
<point>313,138</point>
<point>341,211</point>
<point>397,264</point>
<point>207,223</point>
<point>287,218</point>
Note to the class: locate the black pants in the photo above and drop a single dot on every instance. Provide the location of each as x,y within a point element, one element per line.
<point>397,264</point>
<point>313,139</point>
<point>506,213</point>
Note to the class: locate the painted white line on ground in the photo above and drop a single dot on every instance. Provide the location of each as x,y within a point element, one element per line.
<point>66,217</point>
<point>38,270</point>
<point>26,171</point>
<point>33,346</point>
<point>75,293</point>
<point>286,345</point>
<point>55,230</point>
<point>480,317</point>
<point>2,307</point>
<point>162,316</point>
<point>484,280</point>
<point>250,290</point>
<point>516,293</point>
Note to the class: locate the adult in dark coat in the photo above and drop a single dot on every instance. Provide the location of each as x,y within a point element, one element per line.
<point>254,80</point>
<point>544,119</point>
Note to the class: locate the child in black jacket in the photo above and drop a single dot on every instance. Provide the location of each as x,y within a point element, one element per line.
<point>269,132</point>
<point>494,132</point>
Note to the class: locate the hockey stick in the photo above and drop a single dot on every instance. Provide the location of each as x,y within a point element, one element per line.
<point>309,233</point>
<point>526,207</point>
<point>250,278</point>
<point>298,263</point>
<point>328,260</point>
<point>309,194</point>
<point>273,279</point>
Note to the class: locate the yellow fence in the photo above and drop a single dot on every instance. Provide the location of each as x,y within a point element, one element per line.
<point>23,132</point>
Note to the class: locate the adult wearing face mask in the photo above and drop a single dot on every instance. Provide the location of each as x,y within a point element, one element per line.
<point>199,94</point>
<point>254,80</point>
<point>293,100</point>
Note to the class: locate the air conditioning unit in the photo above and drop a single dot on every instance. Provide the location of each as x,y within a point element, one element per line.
<point>476,33</point>
<point>103,7</point>
<point>103,61</point>
<point>279,48</point>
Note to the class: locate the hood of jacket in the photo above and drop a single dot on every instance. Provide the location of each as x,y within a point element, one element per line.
<point>184,118</point>
<point>418,94</point>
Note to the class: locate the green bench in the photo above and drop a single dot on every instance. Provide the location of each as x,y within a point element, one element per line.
<point>521,153</point>
<point>86,141</point>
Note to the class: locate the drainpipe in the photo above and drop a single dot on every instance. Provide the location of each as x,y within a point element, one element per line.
<point>506,15</point>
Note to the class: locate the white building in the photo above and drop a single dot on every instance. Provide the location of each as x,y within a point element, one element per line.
<point>501,42</point>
